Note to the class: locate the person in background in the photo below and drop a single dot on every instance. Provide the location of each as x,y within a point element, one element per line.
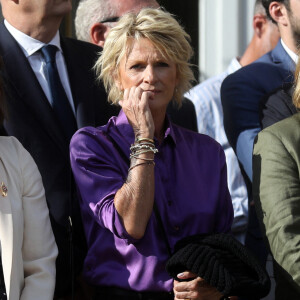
<point>243,90</point>
<point>276,191</point>
<point>95,18</point>
<point>93,21</point>
<point>28,249</point>
<point>207,100</point>
<point>242,93</point>
<point>51,92</point>
<point>277,106</point>
<point>140,163</point>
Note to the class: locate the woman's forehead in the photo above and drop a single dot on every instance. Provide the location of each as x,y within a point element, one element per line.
<point>143,48</point>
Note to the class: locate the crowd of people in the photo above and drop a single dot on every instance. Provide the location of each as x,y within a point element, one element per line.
<point>113,162</point>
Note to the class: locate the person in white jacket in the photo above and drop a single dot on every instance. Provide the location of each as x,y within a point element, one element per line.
<point>28,248</point>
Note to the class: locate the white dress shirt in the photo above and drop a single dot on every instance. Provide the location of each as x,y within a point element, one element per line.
<point>31,47</point>
<point>292,54</point>
<point>207,100</point>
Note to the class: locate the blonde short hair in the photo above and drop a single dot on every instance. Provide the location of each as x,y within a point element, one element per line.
<point>166,35</point>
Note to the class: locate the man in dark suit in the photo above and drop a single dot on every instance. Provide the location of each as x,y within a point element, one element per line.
<point>31,117</point>
<point>242,92</point>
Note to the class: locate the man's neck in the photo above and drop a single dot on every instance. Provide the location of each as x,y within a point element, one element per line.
<point>251,54</point>
<point>42,31</point>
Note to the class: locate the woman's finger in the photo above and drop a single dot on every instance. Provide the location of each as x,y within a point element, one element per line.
<point>187,275</point>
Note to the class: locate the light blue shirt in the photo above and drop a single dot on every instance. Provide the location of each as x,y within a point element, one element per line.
<point>207,100</point>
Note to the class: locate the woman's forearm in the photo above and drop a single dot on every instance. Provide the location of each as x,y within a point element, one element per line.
<point>134,201</point>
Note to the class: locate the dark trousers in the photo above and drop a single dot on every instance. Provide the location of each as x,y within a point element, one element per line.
<point>114,293</point>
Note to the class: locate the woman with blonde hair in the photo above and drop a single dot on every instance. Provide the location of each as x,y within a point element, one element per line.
<point>276,191</point>
<point>144,182</point>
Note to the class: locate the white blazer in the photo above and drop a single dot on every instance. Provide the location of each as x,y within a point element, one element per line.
<point>28,248</point>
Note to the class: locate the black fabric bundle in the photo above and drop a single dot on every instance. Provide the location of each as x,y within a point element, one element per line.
<point>221,261</point>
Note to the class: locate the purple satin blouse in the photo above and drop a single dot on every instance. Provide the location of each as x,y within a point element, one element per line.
<point>190,192</point>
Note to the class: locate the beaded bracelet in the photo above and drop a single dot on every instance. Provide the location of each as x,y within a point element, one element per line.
<point>149,146</point>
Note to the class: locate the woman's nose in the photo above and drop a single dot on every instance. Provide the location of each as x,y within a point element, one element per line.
<point>149,75</point>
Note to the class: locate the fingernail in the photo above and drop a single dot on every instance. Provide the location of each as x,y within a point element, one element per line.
<point>180,275</point>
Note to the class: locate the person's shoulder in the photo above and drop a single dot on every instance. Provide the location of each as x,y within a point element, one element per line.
<point>281,96</point>
<point>281,138</point>
<point>9,145</point>
<point>81,44</point>
<point>264,61</point>
<point>285,130</point>
<point>89,134</point>
<point>12,152</point>
<point>80,50</point>
<point>257,75</point>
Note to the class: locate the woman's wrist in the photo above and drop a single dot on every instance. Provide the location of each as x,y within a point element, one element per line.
<point>145,133</point>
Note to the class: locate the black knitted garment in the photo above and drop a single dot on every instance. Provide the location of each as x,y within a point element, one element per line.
<point>221,261</point>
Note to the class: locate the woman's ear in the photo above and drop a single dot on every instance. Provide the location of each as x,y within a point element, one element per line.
<point>118,82</point>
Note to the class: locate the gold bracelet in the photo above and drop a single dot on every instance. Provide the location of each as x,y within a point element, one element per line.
<point>138,140</point>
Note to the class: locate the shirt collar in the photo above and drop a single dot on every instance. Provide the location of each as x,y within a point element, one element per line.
<point>126,129</point>
<point>28,44</point>
<point>292,54</point>
<point>233,66</point>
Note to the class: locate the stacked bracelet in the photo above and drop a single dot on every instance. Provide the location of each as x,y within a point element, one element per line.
<point>141,146</point>
<point>138,140</point>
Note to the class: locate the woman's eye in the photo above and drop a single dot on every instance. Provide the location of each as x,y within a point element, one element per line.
<point>162,64</point>
<point>137,66</point>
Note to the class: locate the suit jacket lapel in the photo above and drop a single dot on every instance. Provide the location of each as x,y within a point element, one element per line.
<point>25,84</point>
<point>280,56</point>
<point>82,95</point>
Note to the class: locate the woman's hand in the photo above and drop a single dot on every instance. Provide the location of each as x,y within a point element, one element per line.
<point>197,288</point>
<point>136,108</point>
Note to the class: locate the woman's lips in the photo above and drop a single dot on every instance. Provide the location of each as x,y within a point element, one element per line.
<point>153,91</point>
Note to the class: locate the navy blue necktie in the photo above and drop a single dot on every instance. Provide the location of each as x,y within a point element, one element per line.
<point>59,100</point>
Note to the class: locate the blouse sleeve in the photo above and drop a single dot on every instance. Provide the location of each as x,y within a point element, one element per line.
<point>99,171</point>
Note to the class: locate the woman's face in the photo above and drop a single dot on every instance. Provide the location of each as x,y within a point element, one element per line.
<point>147,68</point>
